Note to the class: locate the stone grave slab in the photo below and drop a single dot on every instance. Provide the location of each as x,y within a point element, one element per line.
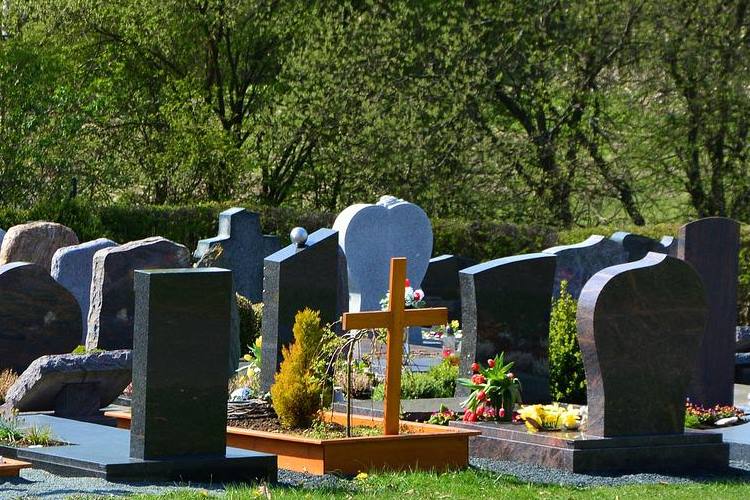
<point>297,277</point>
<point>441,284</point>
<point>71,385</point>
<point>72,267</point>
<point>110,319</point>
<point>240,246</point>
<point>35,242</point>
<point>711,246</point>
<point>38,316</point>
<point>506,308</point>
<point>577,263</point>
<point>639,327</point>
<point>370,235</point>
<point>636,245</point>
<point>104,452</point>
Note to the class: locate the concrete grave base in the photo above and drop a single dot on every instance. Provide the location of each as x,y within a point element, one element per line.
<point>104,452</point>
<point>576,452</point>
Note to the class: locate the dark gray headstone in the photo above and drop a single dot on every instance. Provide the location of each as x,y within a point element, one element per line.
<point>296,278</point>
<point>669,244</point>
<point>639,328</point>
<point>711,246</point>
<point>241,247</point>
<point>71,385</point>
<point>181,316</point>
<point>38,316</point>
<point>636,245</point>
<point>506,308</point>
<point>110,320</point>
<point>72,267</point>
<point>441,285</point>
<point>579,262</point>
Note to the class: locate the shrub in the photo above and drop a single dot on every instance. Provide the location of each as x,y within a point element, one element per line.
<point>566,374</point>
<point>7,379</point>
<point>296,392</point>
<point>251,316</point>
<point>438,382</point>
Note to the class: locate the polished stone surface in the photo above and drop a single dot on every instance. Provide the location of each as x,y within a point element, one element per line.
<point>102,451</point>
<point>35,242</point>
<point>576,452</point>
<point>110,320</point>
<point>241,247</point>
<point>578,262</point>
<point>370,235</point>
<point>72,267</point>
<point>52,382</point>
<point>38,316</point>
<point>639,329</point>
<point>506,308</point>
<point>441,284</point>
<point>711,246</point>
<point>637,246</point>
<point>181,343</point>
<point>296,278</point>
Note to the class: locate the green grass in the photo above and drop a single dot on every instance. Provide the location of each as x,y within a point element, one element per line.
<point>473,484</point>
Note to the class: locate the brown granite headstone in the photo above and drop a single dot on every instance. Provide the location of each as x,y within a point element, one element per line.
<point>35,242</point>
<point>110,320</point>
<point>712,246</point>
<point>639,328</point>
<point>38,316</point>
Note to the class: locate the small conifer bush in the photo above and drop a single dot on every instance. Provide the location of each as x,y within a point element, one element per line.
<point>566,374</point>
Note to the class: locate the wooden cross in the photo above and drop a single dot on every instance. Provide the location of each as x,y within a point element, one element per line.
<point>395,319</point>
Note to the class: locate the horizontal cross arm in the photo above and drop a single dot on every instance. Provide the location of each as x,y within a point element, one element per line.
<point>364,320</point>
<point>426,317</point>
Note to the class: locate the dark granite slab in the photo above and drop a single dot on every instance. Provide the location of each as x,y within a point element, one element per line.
<point>738,439</point>
<point>104,452</point>
<point>577,452</point>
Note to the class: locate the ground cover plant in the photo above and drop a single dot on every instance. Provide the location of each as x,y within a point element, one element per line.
<point>13,432</point>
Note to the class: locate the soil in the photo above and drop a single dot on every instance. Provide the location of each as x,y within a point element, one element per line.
<point>317,431</point>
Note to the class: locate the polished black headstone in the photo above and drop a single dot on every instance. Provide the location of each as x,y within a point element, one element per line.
<point>506,308</point>
<point>441,285</point>
<point>711,246</point>
<point>639,328</point>
<point>636,245</point>
<point>296,278</point>
<point>180,348</point>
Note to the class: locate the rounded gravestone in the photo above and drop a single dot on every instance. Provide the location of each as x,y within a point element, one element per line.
<point>38,316</point>
<point>35,242</point>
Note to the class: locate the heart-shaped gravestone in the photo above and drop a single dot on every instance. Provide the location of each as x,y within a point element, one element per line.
<point>370,235</point>
<point>639,327</point>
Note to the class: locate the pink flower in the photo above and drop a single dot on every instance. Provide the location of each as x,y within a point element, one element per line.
<point>418,295</point>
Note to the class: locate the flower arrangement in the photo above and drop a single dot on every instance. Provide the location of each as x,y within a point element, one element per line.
<point>697,417</point>
<point>443,416</point>
<point>495,391</point>
<point>550,417</point>
<point>413,299</point>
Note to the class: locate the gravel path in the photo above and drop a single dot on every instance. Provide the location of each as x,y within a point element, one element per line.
<point>39,484</point>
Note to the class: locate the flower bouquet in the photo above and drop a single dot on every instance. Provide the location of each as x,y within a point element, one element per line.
<point>494,391</point>
<point>550,417</point>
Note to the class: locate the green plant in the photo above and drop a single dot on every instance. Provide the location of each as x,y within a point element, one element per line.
<point>438,382</point>
<point>494,391</point>
<point>296,392</point>
<point>566,373</point>
<point>10,429</point>
<point>251,316</point>
<point>38,436</point>
<point>81,350</point>
<point>443,416</point>
<point>7,379</point>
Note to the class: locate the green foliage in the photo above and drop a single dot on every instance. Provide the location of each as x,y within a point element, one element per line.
<point>296,392</point>
<point>81,350</point>
<point>38,436</point>
<point>10,430</point>
<point>566,373</point>
<point>438,382</point>
<point>251,316</point>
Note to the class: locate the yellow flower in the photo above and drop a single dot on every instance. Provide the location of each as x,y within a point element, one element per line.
<point>570,421</point>
<point>259,342</point>
<point>361,476</point>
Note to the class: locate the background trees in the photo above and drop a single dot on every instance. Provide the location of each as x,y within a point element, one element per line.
<point>545,111</point>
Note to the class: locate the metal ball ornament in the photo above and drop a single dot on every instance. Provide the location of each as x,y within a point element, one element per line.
<point>298,235</point>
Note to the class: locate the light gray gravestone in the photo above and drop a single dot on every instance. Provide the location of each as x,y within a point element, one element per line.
<point>35,242</point>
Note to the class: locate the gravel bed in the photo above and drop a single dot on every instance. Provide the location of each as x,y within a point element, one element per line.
<point>35,483</point>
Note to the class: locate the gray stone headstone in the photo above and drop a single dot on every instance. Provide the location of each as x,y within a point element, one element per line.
<point>71,385</point>
<point>639,328</point>
<point>72,266</point>
<point>241,247</point>
<point>370,235</point>
<point>441,285</point>
<point>578,262</point>
<point>711,246</point>
<point>35,242</point>
<point>181,316</point>
<point>2,237</point>
<point>636,245</point>
<point>506,308</point>
<point>110,319</point>
<point>38,316</point>
<point>296,278</point>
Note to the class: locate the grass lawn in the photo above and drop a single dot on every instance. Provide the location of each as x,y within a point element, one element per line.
<point>475,484</point>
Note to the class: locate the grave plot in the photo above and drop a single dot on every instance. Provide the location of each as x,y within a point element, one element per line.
<point>401,446</point>
<point>639,328</point>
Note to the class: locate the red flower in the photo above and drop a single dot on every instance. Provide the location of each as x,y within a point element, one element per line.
<point>407,282</point>
<point>480,411</point>
<point>478,379</point>
<point>470,416</point>
<point>475,367</point>
<point>481,395</point>
<point>491,363</point>
<point>501,413</point>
